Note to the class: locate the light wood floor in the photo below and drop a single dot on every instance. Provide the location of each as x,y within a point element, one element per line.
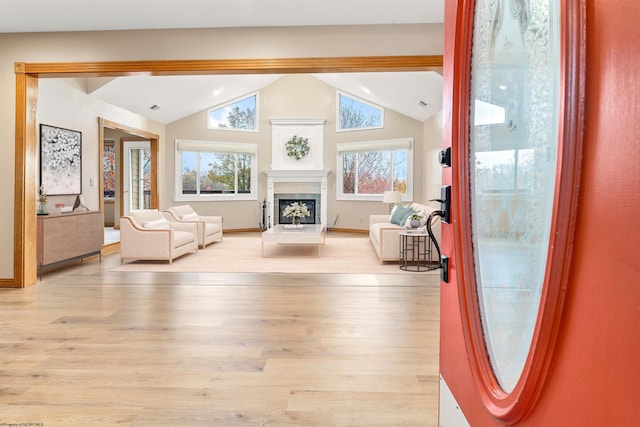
<point>89,347</point>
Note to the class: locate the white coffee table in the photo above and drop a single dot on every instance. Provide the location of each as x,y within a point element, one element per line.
<point>310,234</point>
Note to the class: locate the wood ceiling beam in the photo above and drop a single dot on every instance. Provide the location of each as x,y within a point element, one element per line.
<point>234,66</point>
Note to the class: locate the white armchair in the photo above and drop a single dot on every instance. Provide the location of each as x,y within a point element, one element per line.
<point>147,235</point>
<point>209,227</point>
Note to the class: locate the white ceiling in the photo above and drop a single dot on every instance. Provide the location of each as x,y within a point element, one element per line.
<point>90,15</point>
<point>180,96</point>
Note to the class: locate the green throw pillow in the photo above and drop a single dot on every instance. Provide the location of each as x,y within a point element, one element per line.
<point>400,215</point>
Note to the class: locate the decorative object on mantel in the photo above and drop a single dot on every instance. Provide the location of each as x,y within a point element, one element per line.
<point>297,147</point>
<point>42,201</point>
<point>295,211</point>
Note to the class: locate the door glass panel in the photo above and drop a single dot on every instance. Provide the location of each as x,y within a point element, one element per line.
<point>513,145</point>
<point>137,176</point>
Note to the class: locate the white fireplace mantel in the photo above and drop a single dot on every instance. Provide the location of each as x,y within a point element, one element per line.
<point>319,176</point>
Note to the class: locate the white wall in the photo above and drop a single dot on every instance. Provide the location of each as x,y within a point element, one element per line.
<point>179,44</point>
<point>65,103</point>
<point>432,146</point>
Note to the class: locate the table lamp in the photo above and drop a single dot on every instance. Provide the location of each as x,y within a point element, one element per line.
<point>391,197</point>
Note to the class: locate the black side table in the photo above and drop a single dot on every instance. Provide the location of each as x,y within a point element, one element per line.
<point>415,252</point>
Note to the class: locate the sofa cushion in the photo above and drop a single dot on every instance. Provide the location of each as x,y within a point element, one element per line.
<point>400,215</point>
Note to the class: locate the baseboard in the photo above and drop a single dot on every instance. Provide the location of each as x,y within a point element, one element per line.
<point>7,283</point>
<point>241,230</point>
<point>348,230</point>
<point>111,248</point>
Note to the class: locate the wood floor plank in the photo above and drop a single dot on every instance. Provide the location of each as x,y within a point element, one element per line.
<point>87,346</point>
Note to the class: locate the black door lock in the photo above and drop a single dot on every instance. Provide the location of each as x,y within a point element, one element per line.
<point>444,157</point>
<point>445,203</point>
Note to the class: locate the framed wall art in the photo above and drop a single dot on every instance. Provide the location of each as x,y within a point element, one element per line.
<point>60,160</point>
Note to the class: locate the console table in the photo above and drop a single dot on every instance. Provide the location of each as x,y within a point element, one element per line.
<point>62,238</point>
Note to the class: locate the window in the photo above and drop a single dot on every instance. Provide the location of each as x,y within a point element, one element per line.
<point>367,169</point>
<point>357,114</point>
<point>238,115</point>
<point>208,170</point>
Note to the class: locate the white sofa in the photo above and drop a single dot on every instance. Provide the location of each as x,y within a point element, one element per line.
<point>147,235</point>
<point>385,235</point>
<point>209,227</point>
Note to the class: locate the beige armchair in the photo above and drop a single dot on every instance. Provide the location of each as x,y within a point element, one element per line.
<point>147,235</point>
<point>209,227</point>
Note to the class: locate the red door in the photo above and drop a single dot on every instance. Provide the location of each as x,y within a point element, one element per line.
<point>581,367</point>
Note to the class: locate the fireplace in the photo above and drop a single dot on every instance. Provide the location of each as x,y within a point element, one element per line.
<point>309,203</point>
<point>296,186</point>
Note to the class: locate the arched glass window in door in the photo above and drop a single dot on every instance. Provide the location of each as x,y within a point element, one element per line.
<point>520,163</point>
<point>513,150</point>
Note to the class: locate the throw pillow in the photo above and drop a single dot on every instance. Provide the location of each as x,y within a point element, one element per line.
<point>157,224</point>
<point>400,215</point>
<point>393,210</point>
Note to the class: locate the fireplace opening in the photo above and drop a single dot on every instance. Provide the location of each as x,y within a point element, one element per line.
<point>311,207</point>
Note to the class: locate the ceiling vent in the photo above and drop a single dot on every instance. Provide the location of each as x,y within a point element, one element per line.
<point>422,104</point>
<point>154,107</point>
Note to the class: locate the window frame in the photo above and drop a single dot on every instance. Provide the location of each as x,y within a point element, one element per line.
<point>256,129</point>
<point>340,93</point>
<point>219,147</point>
<point>370,146</point>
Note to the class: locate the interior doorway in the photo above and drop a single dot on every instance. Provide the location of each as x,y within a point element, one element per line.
<point>128,143</point>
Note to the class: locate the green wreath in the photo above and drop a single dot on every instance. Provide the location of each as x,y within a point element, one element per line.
<point>297,147</point>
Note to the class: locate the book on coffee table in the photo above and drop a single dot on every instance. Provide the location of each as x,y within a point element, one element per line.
<point>418,230</point>
<point>293,227</point>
